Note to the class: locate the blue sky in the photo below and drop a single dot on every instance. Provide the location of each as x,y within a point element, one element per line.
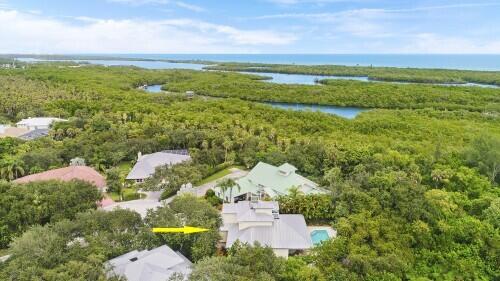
<point>258,26</point>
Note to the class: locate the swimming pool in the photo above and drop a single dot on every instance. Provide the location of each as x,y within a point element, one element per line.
<point>318,236</point>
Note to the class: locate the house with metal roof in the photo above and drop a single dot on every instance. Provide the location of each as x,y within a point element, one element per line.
<point>158,264</point>
<point>36,123</point>
<point>260,221</point>
<point>266,180</point>
<point>146,164</point>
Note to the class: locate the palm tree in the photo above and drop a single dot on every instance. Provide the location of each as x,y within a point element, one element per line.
<point>294,192</point>
<point>227,144</point>
<point>228,184</point>
<point>11,169</point>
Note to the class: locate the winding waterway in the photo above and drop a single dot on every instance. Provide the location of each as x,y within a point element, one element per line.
<point>346,112</point>
<point>279,78</point>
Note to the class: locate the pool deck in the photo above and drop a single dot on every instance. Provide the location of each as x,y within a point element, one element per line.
<point>332,233</point>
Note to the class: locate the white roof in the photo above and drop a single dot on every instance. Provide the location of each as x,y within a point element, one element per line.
<point>245,210</point>
<point>146,164</point>
<point>154,265</point>
<point>285,232</point>
<point>39,121</point>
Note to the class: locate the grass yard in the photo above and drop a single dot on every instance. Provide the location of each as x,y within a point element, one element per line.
<point>218,175</point>
<point>128,194</point>
<point>4,252</point>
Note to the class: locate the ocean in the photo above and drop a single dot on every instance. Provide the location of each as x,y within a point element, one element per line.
<point>469,62</point>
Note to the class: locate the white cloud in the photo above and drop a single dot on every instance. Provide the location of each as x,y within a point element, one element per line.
<point>188,6</point>
<point>180,4</point>
<point>433,43</point>
<point>28,33</point>
<point>3,4</point>
<point>294,2</point>
<point>140,2</point>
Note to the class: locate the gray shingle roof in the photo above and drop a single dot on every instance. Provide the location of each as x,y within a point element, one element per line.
<point>35,134</point>
<point>146,164</point>
<point>154,265</point>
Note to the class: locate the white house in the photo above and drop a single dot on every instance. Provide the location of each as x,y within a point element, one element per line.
<point>250,222</point>
<point>38,123</point>
<point>147,164</point>
<point>158,264</point>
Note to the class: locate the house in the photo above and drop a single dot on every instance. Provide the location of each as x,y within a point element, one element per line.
<point>260,221</point>
<point>266,180</point>
<point>158,264</point>
<point>146,164</point>
<point>38,123</point>
<point>83,173</point>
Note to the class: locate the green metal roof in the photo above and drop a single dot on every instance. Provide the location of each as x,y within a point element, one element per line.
<point>272,180</point>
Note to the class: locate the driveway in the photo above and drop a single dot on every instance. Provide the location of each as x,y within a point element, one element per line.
<point>152,200</point>
<point>141,206</point>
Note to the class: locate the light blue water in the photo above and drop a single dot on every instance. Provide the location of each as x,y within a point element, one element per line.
<point>153,89</point>
<point>472,85</point>
<point>305,79</point>
<point>346,112</point>
<point>471,62</point>
<point>142,64</point>
<point>302,78</point>
<point>284,78</point>
<point>318,236</point>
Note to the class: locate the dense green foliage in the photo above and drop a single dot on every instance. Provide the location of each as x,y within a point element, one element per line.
<point>417,75</point>
<point>73,250</point>
<point>414,191</point>
<point>39,203</point>
<point>245,263</point>
<point>77,249</point>
<point>340,92</point>
<point>190,211</point>
<point>315,208</point>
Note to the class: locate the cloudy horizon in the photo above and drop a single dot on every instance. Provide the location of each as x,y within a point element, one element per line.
<point>261,26</point>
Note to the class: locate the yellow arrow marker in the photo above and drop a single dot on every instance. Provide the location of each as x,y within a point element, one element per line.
<point>185,229</point>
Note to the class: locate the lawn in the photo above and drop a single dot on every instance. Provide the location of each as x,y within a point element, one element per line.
<point>128,194</point>
<point>4,252</point>
<point>218,175</point>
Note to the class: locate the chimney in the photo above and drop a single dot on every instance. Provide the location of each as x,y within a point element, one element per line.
<point>139,155</point>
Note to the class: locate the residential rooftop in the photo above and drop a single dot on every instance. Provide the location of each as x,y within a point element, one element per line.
<point>39,121</point>
<point>83,173</point>
<point>147,164</point>
<point>158,264</point>
<point>250,222</point>
<point>270,180</point>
